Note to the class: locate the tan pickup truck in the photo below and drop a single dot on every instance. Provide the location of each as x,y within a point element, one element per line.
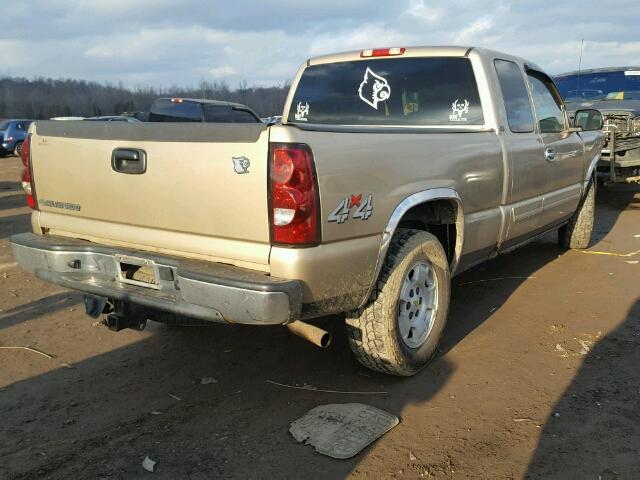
<point>393,169</point>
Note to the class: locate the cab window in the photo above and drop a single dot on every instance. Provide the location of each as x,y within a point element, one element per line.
<point>547,103</point>
<point>516,98</point>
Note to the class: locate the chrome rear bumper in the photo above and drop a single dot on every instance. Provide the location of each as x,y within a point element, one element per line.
<point>199,289</point>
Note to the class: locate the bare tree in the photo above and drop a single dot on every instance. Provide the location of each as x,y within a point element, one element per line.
<point>42,98</point>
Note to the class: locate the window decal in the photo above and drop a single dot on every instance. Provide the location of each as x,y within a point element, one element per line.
<point>374,89</point>
<point>302,110</point>
<point>458,109</point>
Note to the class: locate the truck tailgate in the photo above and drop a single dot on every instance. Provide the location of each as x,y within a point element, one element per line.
<point>203,192</point>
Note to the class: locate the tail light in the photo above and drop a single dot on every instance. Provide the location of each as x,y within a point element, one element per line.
<point>27,173</point>
<point>293,195</point>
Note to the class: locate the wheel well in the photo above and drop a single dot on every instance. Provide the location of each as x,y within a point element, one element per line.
<point>437,217</point>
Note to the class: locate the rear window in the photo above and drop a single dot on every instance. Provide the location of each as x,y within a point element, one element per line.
<point>164,110</point>
<point>391,91</point>
<point>4,125</point>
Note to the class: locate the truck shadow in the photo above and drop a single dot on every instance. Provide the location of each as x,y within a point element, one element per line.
<point>97,420</point>
<point>101,417</point>
<point>594,431</point>
<point>104,415</point>
<point>9,202</point>
<point>10,186</point>
<point>14,224</point>
<point>38,308</point>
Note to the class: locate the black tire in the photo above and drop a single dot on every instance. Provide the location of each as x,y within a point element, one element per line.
<point>374,333</point>
<point>17,150</point>
<point>577,233</point>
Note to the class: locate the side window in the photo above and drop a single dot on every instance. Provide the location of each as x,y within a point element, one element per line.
<point>217,114</point>
<point>242,116</point>
<point>516,98</point>
<point>547,104</point>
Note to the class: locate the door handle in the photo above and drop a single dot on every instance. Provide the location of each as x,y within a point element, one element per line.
<point>550,154</point>
<point>132,161</point>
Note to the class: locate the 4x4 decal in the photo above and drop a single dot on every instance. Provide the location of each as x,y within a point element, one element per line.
<point>364,208</point>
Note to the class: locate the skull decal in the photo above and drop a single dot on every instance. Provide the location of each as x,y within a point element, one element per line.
<point>302,110</point>
<point>458,109</point>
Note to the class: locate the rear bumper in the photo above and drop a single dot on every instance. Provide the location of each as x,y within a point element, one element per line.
<point>204,290</point>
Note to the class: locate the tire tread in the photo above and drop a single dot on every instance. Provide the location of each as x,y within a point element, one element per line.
<point>367,331</point>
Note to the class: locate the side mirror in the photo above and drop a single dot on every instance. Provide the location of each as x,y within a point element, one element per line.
<point>588,120</point>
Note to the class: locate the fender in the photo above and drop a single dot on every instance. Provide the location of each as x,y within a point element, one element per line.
<point>403,207</point>
<point>590,171</point>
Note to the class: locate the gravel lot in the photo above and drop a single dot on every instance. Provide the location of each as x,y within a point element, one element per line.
<point>538,378</point>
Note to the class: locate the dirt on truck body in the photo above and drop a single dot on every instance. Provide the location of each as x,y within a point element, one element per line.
<point>393,170</point>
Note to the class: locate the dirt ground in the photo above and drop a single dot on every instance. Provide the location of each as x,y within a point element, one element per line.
<point>538,378</point>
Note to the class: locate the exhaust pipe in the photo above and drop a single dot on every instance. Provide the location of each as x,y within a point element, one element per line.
<point>309,332</point>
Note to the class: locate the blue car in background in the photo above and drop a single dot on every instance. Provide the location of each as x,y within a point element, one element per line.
<point>12,134</point>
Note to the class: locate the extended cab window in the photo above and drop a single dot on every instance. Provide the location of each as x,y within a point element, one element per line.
<point>516,98</point>
<point>547,103</point>
<point>438,91</point>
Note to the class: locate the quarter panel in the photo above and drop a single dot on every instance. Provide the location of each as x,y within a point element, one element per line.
<point>393,166</point>
<point>340,272</point>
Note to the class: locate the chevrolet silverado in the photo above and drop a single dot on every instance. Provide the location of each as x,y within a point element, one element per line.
<point>392,170</point>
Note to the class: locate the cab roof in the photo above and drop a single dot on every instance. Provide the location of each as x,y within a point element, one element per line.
<point>208,102</point>
<point>424,51</point>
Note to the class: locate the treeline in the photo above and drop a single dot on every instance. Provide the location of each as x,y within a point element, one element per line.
<point>43,98</point>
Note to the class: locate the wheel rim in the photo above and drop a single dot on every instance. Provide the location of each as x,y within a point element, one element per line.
<point>19,149</point>
<point>418,304</point>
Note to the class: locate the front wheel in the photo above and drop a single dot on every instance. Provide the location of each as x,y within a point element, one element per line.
<point>399,330</point>
<point>577,233</point>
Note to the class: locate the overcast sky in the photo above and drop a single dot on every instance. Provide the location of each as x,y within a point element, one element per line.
<point>181,42</point>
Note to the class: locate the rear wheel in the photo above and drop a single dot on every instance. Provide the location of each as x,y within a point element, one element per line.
<point>18,149</point>
<point>399,331</point>
<point>577,233</point>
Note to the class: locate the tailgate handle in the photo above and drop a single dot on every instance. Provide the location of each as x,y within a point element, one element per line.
<point>129,160</point>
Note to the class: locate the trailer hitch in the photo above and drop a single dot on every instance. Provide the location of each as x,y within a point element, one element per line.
<point>118,314</point>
